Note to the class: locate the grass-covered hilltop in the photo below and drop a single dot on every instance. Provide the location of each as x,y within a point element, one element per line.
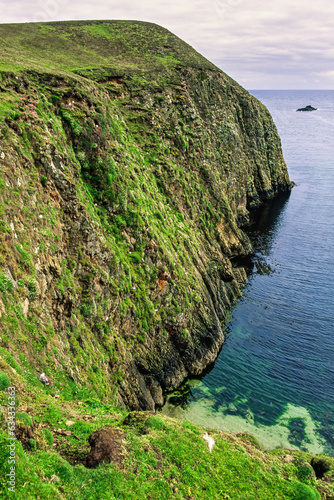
<point>129,165</point>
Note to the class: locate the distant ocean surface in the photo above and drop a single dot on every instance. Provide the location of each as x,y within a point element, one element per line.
<point>274,377</point>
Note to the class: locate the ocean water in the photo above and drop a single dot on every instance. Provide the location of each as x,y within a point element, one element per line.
<point>274,377</point>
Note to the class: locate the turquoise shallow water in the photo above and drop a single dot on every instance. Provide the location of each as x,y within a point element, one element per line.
<point>274,376</point>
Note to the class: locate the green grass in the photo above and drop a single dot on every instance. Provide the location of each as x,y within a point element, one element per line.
<point>7,103</point>
<point>163,458</point>
<point>99,49</point>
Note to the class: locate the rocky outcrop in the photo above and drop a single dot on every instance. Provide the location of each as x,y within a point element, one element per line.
<point>124,203</point>
<point>307,108</point>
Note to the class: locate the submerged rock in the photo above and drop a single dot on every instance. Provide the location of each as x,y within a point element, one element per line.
<point>263,268</point>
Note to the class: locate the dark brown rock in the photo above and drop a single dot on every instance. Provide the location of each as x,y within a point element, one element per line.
<point>106,446</point>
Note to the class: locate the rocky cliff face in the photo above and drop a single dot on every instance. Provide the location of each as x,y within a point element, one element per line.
<point>124,189</point>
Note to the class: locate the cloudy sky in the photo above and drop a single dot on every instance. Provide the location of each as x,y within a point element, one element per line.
<point>277,44</point>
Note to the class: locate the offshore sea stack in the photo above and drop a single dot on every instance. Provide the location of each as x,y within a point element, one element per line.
<point>129,166</point>
<point>307,108</point>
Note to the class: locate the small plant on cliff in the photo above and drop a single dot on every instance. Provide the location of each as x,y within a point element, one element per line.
<point>5,283</point>
<point>4,381</point>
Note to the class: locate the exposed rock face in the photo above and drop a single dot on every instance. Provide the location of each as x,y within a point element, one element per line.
<point>124,204</point>
<point>106,446</point>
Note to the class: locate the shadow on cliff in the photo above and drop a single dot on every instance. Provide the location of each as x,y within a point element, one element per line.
<point>261,229</point>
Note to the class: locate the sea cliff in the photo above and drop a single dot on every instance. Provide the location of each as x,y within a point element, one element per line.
<point>129,166</point>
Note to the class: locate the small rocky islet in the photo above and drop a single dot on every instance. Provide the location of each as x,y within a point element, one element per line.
<point>307,108</point>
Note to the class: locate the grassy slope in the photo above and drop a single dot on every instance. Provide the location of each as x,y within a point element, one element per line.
<point>160,462</point>
<point>162,458</point>
<point>95,48</point>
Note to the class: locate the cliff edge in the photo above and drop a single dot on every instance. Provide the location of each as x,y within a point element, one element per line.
<point>128,167</point>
